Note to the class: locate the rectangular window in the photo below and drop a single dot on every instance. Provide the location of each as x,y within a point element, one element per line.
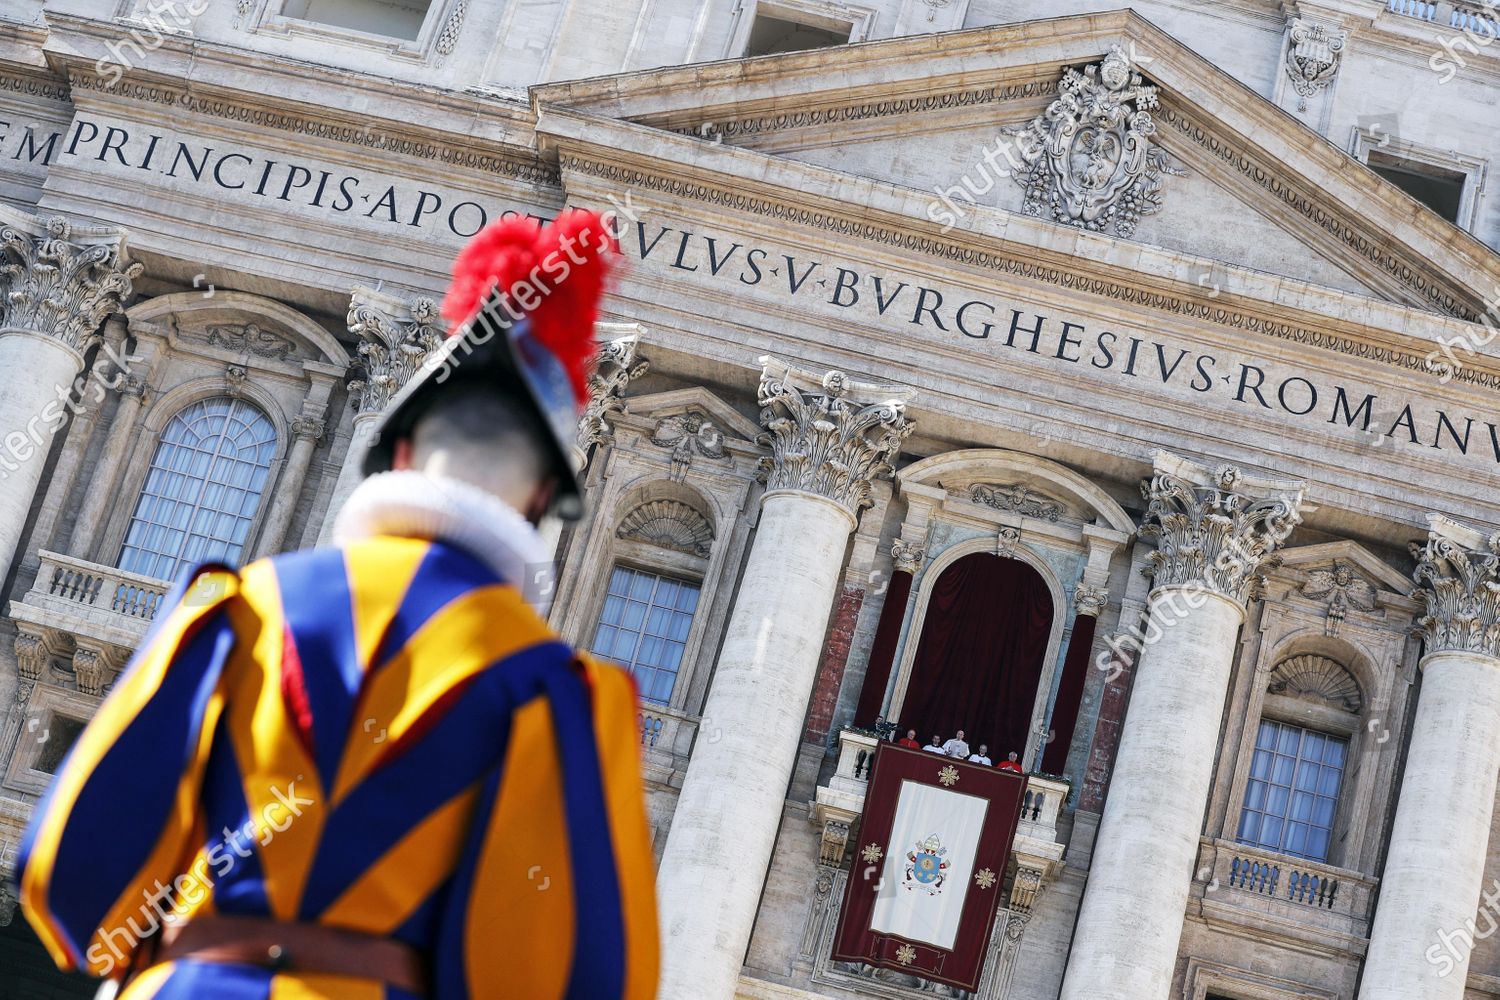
<point>644,626</point>
<point>390,18</point>
<point>1293,790</point>
<point>57,739</point>
<point>770,34</point>
<point>1440,189</point>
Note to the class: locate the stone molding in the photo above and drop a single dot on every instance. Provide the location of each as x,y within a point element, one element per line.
<point>1117,290</point>
<point>308,427</point>
<point>1310,676</point>
<point>669,524</point>
<point>829,436</point>
<point>62,280</point>
<point>1017,498</point>
<point>458,152</point>
<point>619,363</point>
<point>1458,581</point>
<point>1089,601</point>
<point>1108,100</point>
<point>1341,589</point>
<point>396,339</point>
<point>688,435</point>
<point>1215,530</point>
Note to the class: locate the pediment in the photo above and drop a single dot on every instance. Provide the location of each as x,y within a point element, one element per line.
<point>1258,191</point>
<point>693,410</point>
<point>240,324</point>
<point>1344,566</point>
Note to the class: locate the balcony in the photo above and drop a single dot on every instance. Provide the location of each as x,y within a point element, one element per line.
<point>666,743</point>
<point>1318,902</point>
<point>75,603</point>
<point>1474,16</point>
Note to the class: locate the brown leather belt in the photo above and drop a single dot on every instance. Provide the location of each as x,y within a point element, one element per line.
<point>293,948</point>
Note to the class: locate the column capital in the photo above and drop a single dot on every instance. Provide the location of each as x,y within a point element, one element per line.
<point>61,279</point>
<point>396,336</point>
<point>1458,578</point>
<point>907,557</point>
<point>829,435</point>
<point>619,362</point>
<point>1216,529</point>
<point>1089,601</point>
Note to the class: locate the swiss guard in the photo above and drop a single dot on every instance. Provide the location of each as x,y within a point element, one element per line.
<point>372,771</point>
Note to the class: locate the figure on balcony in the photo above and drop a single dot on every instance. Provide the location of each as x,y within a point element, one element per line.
<point>956,747</point>
<point>910,740</point>
<point>936,746</point>
<point>1012,763</point>
<point>397,749</point>
<point>982,757</point>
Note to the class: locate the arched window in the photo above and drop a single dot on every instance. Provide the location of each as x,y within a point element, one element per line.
<point>203,489</point>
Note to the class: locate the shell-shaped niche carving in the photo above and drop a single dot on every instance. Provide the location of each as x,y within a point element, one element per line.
<point>1317,677</point>
<point>669,524</point>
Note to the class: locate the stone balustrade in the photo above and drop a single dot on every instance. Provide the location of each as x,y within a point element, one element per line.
<point>666,743</point>
<point>90,601</point>
<point>1279,885</point>
<point>1465,15</point>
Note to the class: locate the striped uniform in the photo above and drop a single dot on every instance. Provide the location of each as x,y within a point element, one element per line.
<point>383,737</point>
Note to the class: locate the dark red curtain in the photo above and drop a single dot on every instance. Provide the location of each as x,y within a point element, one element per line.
<point>1069,695</point>
<point>883,653</point>
<point>983,641</point>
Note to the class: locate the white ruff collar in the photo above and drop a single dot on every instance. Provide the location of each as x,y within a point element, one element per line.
<point>412,504</point>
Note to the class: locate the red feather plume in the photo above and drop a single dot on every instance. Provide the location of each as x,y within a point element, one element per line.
<point>557,270</point>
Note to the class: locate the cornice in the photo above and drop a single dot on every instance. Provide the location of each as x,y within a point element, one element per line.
<point>230,106</point>
<point>1124,287</point>
<point>31,82</point>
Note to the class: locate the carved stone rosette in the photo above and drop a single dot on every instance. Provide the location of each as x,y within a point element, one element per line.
<point>59,279</point>
<point>396,338</point>
<point>619,363</point>
<point>1089,601</point>
<point>834,440</point>
<point>1313,54</point>
<point>1216,530</point>
<point>1458,579</point>
<point>907,557</point>
<point>1090,156</point>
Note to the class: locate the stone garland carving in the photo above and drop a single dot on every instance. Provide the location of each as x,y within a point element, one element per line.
<point>619,363</point>
<point>1214,536</point>
<point>687,435</point>
<point>1311,676</point>
<point>1460,586</point>
<point>907,557</point>
<point>1089,601</point>
<point>59,287</point>
<point>1341,589</point>
<point>391,349</point>
<point>669,524</point>
<point>1313,54</point>
<point>452,28</point>
<point>252,339</point>
<point>1091,157</point>
<point>825,442</point>
<point>1017,498</point>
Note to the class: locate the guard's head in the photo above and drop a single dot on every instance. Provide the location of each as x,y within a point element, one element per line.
<point>494,442</point>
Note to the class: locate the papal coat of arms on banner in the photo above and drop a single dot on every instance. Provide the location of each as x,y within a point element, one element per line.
<point>926,868</point>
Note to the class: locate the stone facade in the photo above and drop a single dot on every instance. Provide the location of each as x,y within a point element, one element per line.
<point>1132,297</point>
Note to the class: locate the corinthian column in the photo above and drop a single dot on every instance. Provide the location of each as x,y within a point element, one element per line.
<point>1429,892</point>
<point>619,363</point>
<point>59,281</point>
<point>828,443</point>
<point>395,339</point>
<point>1215,531</point>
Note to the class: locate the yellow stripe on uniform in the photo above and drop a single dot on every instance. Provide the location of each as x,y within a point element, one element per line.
<point>133,691</point>
<point>456,643</point>
<point>521,901</point>
<point>616,723</point>
<point>380,573</point>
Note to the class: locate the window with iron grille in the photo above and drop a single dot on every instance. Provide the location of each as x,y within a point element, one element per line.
<point>644,626</point>
<point>1293,790</point>
<point>203,489</point>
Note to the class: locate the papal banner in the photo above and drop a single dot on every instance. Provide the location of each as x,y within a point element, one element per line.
<point>934,840</point>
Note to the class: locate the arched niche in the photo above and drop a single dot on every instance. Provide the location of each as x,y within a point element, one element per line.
<point>1018,483</point>
<point>239,321</point>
